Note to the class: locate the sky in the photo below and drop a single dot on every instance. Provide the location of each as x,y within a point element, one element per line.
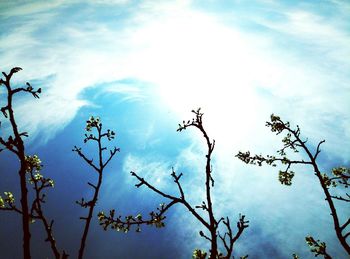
<point>142,66</point>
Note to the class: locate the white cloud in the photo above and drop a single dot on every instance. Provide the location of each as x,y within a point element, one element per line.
<point>322,32</point>
<point>194,59</point>
<point>57,110</point>
<point>155,171</point>
<point>10,9</point>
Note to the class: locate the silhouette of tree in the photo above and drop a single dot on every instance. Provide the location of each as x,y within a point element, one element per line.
<point>211,224</point>
<point>94,124</point>
<point>14,143</point>
<point>339,179</point>
<point>28,165</point>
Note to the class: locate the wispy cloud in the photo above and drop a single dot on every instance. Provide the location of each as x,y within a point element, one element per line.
<point>295,64</point>
<point>193,59</point>
<point>155,171</point>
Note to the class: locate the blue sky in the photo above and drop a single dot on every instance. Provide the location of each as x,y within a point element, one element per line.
<point>142,66</point>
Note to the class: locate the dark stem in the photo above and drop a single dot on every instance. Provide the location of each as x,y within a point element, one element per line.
<point>93,202</point>
<point>174,199</point>
<point>208,183</point>
<point>22,172</point>
<point>48,226</point>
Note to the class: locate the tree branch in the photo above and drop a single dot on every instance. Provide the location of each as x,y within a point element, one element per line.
<point>293,142</point>
<point>112,153</point>
<point>93,123</point>
<point>89,161</point>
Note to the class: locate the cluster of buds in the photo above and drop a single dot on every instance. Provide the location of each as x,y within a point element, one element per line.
<point>285,177</point>
<point>9,199</point>
<point>342,174</point>
<point>276,124</point>
<point>39,178</point>
<point>33,166</point>
<point>33,163</point>
<point>110,134</point>
<point>123,225</point>
<point>92,122</point>
<point>118,224</point>
<point>199,254</point>
<point>316,247</point>
<point>257,159</point>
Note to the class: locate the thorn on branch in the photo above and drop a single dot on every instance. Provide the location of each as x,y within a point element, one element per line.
<point>93,186</point>
<point>203,206</point>
<point>3,110</point>
<point>201,233</point>
<point>139,184</point>
<point>85,204</point>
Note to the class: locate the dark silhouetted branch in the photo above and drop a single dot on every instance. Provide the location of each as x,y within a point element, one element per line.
<point>211,224</point>
<point>317,247</point>
<point>117,223</point>
<point>94,124</point>
<point>293,142</point>
<point>15,145</point>
<point>40,183</point>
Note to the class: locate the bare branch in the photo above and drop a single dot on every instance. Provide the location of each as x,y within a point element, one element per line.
<point>112,153</point>
<point>93,186</point>
<point>89,161</point>
<point>93,123</point>
<point>346,235</point>
<point>212,224</point>
<point>345,224</point>
<point>318,151</point>
<point>175,199</point>
<point>241,225</point>
<point>144,182</point>
<point>176,180</point>
<point>341,198</point>
<point>9,145</point>
<point>201,233</point>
